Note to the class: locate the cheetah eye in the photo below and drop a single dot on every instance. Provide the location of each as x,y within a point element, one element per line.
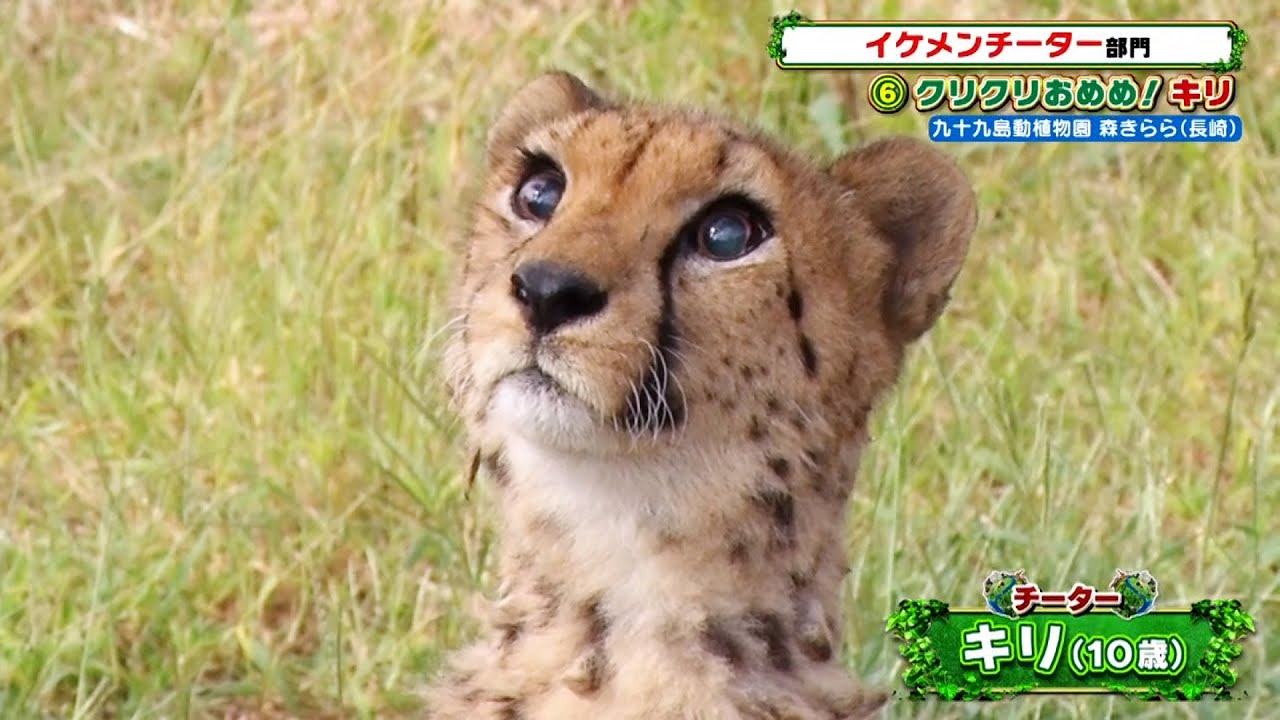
<point>539,194</point>
<point>728,233</point>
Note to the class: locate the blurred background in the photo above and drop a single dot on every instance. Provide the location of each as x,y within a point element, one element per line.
<point>229,482</point>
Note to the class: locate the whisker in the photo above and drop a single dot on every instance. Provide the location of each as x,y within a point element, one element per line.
<point>661,409</point>
<point>452,326</point>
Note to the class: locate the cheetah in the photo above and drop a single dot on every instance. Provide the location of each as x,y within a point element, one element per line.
<point>671,332</point>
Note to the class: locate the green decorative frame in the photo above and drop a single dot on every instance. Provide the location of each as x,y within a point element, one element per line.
<point>1234,62</point>
<point>924,669</point>
<point>780,23</point>
<point>1213,675</point>
<point>1239,38</point>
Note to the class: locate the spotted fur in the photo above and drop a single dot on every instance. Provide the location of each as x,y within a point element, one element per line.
<point>672,467</point>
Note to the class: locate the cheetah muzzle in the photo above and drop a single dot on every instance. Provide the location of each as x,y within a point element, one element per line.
<point>672,331</point>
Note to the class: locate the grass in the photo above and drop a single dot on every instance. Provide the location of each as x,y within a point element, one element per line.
<point>229,486</point>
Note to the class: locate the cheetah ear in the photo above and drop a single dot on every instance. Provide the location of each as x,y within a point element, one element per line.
<point>544,99</point>
<point>923,205</point>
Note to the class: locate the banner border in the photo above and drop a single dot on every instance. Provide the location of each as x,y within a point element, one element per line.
<point>780,23</point>
<point>1228,623</point>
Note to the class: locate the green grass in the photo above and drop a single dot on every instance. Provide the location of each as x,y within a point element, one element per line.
<point>228,482</point>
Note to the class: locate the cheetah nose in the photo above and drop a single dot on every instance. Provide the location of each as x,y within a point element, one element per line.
<point>551,295</point>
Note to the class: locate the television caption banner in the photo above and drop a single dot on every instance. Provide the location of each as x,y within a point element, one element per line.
<point>1077,640</point>
<point>1085,128</point>
<point>971,654</point>
<point>799,43</point>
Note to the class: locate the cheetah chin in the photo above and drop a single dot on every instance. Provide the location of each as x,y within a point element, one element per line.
<point>671,333</point>
<point>533,404</point>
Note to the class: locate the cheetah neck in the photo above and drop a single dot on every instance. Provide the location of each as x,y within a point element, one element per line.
<point>729,556</point>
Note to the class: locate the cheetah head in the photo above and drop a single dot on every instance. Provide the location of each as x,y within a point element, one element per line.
<point>639,277</point>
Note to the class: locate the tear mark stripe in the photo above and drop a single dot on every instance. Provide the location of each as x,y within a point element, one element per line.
<point>656,403</point>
